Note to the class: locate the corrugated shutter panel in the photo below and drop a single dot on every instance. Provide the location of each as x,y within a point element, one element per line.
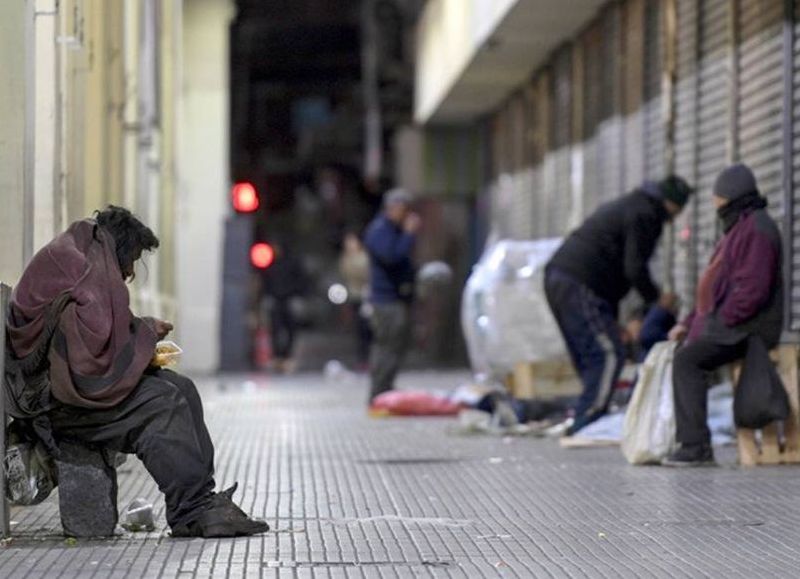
<point>610,131</point>
<point>713,122</point>
<point>686,145</point>
<point>593,67</point>
<point>500,191</point>
<point>633,94</point>
<point>539,104</point>
<point>760,73</point>
<point>521,206</point>
<point>559,155</point>
<point>795,245</point>
<point>654,133</point>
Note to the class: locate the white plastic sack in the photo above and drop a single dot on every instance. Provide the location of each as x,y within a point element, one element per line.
<point>648,433</point>
<point>504,312</point>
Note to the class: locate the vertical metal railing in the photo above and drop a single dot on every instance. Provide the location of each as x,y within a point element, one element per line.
<point>5,528</point>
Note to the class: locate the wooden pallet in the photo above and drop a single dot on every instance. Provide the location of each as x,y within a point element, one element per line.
<point>764,447</point>
<point>543,380</point>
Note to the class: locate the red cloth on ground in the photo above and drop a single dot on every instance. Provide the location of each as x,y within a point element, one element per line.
<point>414,403</point>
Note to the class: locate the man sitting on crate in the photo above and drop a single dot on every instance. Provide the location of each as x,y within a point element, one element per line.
<point>739,295</point>
<point>80,369</point>
<point>592,271</point>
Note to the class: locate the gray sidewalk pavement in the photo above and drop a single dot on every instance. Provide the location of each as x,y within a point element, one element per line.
<point>350,496</point>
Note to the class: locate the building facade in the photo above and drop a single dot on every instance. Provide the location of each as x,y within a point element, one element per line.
<point>576,109</point>
<point>121,102</point>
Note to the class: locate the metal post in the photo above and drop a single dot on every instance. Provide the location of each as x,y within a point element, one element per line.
<point>5,529</point>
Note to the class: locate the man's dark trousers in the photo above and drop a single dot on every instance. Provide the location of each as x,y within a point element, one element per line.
<point>690,382</point>
<point>391,328</point>
<point>162,423</point>
<point>589,326</point>
<point>283,328</point>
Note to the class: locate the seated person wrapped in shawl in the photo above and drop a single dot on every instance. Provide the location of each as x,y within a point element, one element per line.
<point>80,360</point>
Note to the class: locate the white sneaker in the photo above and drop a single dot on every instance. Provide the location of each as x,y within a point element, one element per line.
<point>558,430</point>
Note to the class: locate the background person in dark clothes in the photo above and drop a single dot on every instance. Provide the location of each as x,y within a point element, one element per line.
<point>76,344</point>
<point>354,269</point>
<point>657,323</point>
<point>592,271</point>
<point>282,281</point>
<point>740,294</point>
<point>390,242</point>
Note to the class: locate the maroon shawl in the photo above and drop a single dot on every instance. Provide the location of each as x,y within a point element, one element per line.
<point>99,350</point>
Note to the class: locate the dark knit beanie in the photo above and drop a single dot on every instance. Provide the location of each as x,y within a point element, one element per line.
<point>735,181</point>
<point>675,189</point>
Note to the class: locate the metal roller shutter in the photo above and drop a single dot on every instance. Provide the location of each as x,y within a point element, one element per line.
<point>559,160</point>
<point>522,196</point>
<point>794,247</point>
<point>760,110</point>
<point>610,130</point>
<point>593,71</point>
<point>532,169</point>
<point>499,190</point>
<point>654,133</point>
<point>685,96</point>
<point>633,109</point>
<point>713,122</point>
<point>539,135</point>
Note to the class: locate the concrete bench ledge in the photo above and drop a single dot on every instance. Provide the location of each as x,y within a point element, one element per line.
<point>87,491</point>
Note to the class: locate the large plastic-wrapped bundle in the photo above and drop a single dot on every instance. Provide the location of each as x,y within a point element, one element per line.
<point>504,312</point>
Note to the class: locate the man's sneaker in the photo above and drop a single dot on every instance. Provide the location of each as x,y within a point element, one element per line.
<point>222,518</point>
<point>560,429</point>
<point>691,455</point>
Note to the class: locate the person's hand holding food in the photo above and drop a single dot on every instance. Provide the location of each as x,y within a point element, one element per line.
<point>162,328</point>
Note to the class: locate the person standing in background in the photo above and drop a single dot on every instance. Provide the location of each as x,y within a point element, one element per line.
<point>282,281</point>
<point>390,240</point>
<point>354,269</point>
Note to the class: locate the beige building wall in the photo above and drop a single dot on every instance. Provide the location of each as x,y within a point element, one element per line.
<point>203,179</point>
<point>78,131</point>
<point>12,139</point>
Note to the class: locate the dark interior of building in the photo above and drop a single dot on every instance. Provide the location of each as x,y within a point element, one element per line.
<point>317,90</point>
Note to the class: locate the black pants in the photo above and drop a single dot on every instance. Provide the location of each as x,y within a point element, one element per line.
<point>592,335</point>
<point>391,328</point>
<point>691,371</point>
<point>363,332</point>
<point>283,328</point>
<point>161,422</point>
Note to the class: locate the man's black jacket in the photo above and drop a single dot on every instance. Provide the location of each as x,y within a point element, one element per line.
<point>610,252</point>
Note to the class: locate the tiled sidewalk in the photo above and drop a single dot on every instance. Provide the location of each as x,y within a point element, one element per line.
<point>350,496</point>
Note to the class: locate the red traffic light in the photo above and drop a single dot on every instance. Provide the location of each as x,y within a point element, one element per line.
<point>245,197</point>
<point>262,255</point>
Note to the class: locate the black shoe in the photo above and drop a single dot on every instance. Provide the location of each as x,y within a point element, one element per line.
<point>691,455</point>
<point>222,518</point>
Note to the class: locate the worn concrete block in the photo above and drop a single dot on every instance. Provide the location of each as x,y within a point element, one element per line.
<point>87,491</point>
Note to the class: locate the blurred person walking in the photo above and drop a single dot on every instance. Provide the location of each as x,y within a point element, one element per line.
<point>284,280</point>
<point>354,269</point>
<point>739,296</point>
<point>390,240</point>
<point>595,267</point>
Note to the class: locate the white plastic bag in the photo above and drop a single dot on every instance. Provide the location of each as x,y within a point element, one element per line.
<point>504,311</point>
<point>648,433</point>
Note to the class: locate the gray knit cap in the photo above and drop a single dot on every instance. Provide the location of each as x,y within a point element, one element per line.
<point>735,181</point>
<point>397,196</point>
